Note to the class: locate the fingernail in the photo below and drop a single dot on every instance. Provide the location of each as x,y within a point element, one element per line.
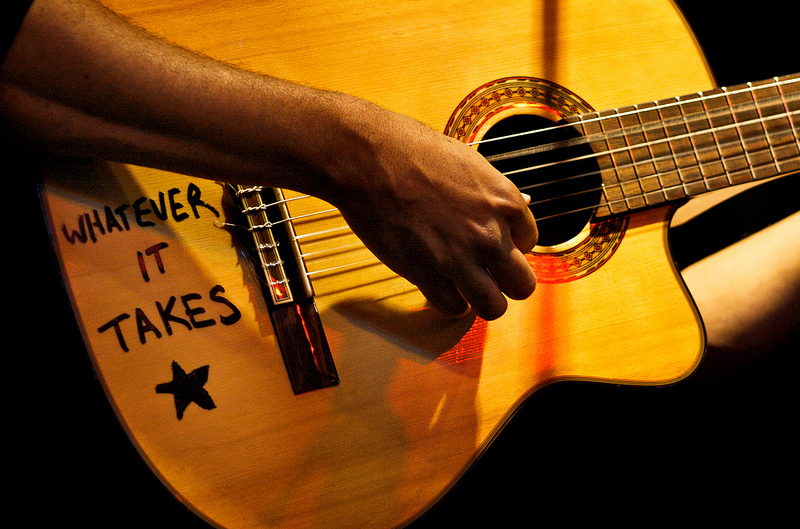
<point>527,198</point>
<point>462,314</point>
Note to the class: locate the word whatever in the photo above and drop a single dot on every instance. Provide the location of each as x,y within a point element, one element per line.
<point>143,212</point>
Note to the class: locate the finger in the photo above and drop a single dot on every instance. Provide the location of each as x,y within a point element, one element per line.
<point>514,275</point>
<point>443,296</point>
<point>524,231</point>
<point>482,293</point>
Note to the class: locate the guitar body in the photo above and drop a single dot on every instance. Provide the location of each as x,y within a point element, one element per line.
<point>163,295</point>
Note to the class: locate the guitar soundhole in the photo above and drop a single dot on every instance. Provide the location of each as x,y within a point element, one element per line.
<point>563,182</point>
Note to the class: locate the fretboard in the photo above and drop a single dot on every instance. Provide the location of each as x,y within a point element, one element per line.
<point>669,150</point>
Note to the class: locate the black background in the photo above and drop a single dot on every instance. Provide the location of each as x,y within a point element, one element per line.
<point>711,450</point>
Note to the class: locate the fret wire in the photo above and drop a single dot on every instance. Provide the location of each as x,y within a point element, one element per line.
<point>610,151</point>
<point>534,203</point>
<point>643,128</point>
<point>729,141</point>
<point>586,208</point>
<point>375,261</point>
<point>758,110</point>
<point>622,158</point>
<point>600,137</point>
<point>781,137</point>
<point>752,133</point>
<point>709,158</point>
<point>717,142</point>
<point>655,150</point>
<point>674,120</point>
<point>712,178</point>
<point>739,132</point>
<point>696,169</point>
<point>604,160</point>
<point>595,173</point>
<point>667,140</point>
<point>679,187</point>
<point>787,103</point>
<point>640,152</point>
<point>709,94</point>
<point>788,109</point>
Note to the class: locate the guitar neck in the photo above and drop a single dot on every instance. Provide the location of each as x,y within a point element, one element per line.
<point>669,150</point>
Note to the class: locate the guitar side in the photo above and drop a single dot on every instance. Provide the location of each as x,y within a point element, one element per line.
<point>420,396</point>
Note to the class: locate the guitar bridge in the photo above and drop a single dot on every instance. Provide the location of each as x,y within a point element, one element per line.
<point>278,263</point>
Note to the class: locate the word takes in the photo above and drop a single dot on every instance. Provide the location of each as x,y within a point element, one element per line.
<point>144,212</point>
<point>190,313</point>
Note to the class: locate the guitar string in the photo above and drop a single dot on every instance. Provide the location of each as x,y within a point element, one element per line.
<point>328,255</point>
<point>682,120</point>
<point>636,129</point>
<point>679,102</point>
<point>715,146</point>
<point>375,261</point>
<point>343,249</point>
<point>641,128</point>
<point>627,148</point>
<point>664,190</point>
<point>345,231</point>
<point>626,131</point>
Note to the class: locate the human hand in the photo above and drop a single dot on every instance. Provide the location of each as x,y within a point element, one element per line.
<point>438,214</point>
<point>430,207</point>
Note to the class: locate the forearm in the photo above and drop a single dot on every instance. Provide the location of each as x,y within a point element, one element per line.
<point>80,81</point>
<point>749,293</point>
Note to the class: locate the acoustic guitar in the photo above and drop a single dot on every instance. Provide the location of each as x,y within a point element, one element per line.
<point>273,373</point>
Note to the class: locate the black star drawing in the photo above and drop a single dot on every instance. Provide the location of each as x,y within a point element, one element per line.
<point>187,389</point>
